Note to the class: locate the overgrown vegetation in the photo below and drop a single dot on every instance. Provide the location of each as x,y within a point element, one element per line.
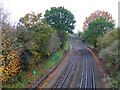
<point>33,43</point>
<point>108,51</point>
<point>27,78</point>
<point>107,39</point>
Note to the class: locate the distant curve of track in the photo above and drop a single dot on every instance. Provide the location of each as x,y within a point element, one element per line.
<point>80,70</point>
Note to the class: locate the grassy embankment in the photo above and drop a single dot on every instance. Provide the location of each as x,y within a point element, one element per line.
<point>41,69</point>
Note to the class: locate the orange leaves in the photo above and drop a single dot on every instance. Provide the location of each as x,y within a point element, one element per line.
<point>97,14</point>
<point>31,21</point>
<point>13,67</point>
<point>20,49</point>
<point>10,59</point>
<point>10,67</point>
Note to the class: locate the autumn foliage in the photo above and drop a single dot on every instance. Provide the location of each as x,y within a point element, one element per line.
<point>10,57</point>
<point>95,15</point>
<point>34,36</point>
<point>32,42</point>
<point>24,47</point>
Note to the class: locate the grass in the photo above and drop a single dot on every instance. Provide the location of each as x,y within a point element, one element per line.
<point>66,46</point>
<point>41,69</point>
<point>109,64</point>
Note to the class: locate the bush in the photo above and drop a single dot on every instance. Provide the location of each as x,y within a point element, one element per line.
<point>53,43</point>
<point>64,36</point>
<point>38,40</point>
<point>110,53</point>
<point>107,39</point>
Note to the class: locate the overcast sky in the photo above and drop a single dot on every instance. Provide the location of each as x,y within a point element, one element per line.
<point>79,8</point>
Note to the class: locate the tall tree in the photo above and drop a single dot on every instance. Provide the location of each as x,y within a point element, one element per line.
<point>97,14</point>
<point>97,28</point>
<point>60,18</point>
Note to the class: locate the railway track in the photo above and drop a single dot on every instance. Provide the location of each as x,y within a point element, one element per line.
<point>42,82</point>
<point>87,78</point>
<point>65,74</point>
<point>105,72</point>
<point>93,84</point>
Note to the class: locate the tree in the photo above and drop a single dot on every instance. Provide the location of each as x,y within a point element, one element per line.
<point>31,22</point>
<point>97,28</point>
<point>4,18</point>
<point>64,36</point>
<point>60,18</point>
<point>97,14</point>
<point>33,34</point>
<point>9,52</point>
<point>10,57</point>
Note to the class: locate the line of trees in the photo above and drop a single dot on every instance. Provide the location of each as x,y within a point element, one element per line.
<point>34,40</point>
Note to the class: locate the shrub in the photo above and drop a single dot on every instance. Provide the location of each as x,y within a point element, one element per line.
<point>107,39</point>
<point>53,43</point>
<point>110,53</point>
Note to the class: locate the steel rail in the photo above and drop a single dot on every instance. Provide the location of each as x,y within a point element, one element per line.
<point>62,78</point>
<point>73,69</point>
<point>84,71</point>
<point>112,86</point>
<point>80,83</point>
<point>93,74</point>
<point>86,77</point>
<point>79,79</point>
<point>45,76</point>
<point>65,74</point>
<point>102,66</point>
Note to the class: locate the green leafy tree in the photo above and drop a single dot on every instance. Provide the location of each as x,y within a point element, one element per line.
<point>64,36</point>
<point>60,18</point>
<point>95,15</point>
<point>97,28</point>
<point>33,34</point>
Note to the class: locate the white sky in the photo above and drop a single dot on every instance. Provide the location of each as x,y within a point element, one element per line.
<point>79,8</point>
